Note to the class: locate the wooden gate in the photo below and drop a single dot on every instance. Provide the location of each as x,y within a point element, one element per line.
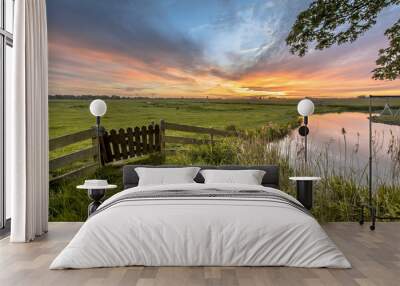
<point>129,143</point>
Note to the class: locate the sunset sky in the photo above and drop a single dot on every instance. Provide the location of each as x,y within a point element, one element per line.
<point>186,48</point>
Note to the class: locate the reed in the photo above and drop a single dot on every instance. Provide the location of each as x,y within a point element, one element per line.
<point>344,178</point>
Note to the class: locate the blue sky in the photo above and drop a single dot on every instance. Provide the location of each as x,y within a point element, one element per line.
<point>201,48</point>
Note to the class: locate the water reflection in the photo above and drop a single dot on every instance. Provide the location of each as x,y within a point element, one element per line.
<point>345,137</point>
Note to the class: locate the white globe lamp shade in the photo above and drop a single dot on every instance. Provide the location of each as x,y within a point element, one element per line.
<point>305,107</point>
<point>98,107</point>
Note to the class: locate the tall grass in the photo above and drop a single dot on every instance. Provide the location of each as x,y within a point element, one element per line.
<point>343,187</point>
<point>336,197</point>
<point>66,203</point>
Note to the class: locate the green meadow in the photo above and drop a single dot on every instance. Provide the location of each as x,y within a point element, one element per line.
<point>336,199</point>
<point>69,116</point>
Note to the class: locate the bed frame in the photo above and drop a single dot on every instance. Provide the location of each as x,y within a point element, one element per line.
<point>270,179</point>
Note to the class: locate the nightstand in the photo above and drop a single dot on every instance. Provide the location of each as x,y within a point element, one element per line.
<point>96,190</point>
<point>304,187</point>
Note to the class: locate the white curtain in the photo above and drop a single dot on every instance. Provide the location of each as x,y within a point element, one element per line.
<point>27,124</point>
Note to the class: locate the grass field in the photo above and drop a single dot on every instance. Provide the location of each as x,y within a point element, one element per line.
<point>69,116</point>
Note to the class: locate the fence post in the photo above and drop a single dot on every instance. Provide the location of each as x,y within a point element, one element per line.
<point>162,138</point>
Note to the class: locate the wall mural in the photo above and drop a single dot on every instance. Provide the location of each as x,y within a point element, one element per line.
<point>238,68</point>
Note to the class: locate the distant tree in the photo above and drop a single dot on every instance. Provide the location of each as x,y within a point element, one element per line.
<point>329,22</point>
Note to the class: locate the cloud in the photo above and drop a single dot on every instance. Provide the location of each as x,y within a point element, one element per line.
<point>360,55</point>
<point>200,48</point>
<point>132,28</point>
<point>243,35</point>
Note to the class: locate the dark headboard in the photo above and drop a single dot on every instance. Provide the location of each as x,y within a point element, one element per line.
<point>271,177</point>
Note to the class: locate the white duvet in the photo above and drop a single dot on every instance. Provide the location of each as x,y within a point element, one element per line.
<point>200,231</point>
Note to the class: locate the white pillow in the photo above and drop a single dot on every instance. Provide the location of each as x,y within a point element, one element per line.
<point>166,176</point>
<point>248,177</point>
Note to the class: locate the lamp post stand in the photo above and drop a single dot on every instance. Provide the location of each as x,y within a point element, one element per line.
<point>305,108</point>
<point>98,140</point>
<point>305,138</point>
<point>98,108</point>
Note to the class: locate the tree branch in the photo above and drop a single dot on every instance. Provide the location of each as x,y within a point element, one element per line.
<point>329,22</point>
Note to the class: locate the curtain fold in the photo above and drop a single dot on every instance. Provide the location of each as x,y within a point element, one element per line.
<point>27,124</point>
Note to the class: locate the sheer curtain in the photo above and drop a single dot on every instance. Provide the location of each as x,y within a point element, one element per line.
<point>27,124</point>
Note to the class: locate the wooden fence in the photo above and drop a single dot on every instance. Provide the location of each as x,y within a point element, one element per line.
<point>211,132</point>
<point>116,145</point>
<point>78,156</point>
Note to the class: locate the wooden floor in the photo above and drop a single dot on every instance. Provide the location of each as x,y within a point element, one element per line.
<point>375,257</point>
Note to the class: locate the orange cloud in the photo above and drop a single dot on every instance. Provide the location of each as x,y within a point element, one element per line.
<point>80,69</point>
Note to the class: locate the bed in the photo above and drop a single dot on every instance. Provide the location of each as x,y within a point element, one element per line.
<point>201,224</point>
